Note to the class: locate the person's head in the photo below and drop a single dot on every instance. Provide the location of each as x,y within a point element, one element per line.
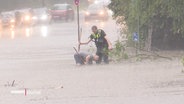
<point>94,29</point>
<point>93,58</point>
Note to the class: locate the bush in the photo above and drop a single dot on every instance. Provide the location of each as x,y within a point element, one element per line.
<point>118,53</point>
<point>182,61</point>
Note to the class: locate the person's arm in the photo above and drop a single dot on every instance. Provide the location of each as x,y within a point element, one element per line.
<point>90,39</point>
<point>107,39</point>
<point>109,43</point>
<point>87,59</point>
<point>84,43</point>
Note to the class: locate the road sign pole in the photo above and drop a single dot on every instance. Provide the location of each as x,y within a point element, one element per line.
<point>136,50</point>
<point>136,41</point>
<point>78,22</point>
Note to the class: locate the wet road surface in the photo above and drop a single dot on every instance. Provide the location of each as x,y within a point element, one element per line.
<point>40,59</point>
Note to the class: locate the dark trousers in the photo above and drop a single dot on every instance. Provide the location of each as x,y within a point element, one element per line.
<point>78,59</point>
<point>103,55</point>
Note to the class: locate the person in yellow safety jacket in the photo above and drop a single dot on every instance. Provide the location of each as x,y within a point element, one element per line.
<point>102,43</point>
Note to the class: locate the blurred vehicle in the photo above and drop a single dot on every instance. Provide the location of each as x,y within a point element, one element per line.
<point>90,1</point>
<point>41,16</point>
<point>7,20</point>
<point>18,18</point>
<point>26,17</point>
<point>62,11</point>
<point>102,2</point>
<point>96,12</point>
<point>0,21</point>
<point>98,1</point>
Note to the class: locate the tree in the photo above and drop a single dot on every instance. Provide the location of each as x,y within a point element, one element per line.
<point>158,21</point>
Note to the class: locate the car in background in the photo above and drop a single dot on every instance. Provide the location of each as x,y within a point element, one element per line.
<point>0,21</point>
<point>7,20</point>
<point>96,12</point>
<point>41,16</point>
<point>62,12</point>
<point>102,2</point>
<point>90,1</point>
<point>26,15</point>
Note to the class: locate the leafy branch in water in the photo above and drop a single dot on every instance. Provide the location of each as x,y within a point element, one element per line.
<point>118,53</point>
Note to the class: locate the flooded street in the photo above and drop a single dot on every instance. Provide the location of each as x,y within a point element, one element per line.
<point>37,67</point>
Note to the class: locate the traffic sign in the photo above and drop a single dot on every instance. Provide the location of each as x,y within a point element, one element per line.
<point>76,2</point>
<point>135,37</point>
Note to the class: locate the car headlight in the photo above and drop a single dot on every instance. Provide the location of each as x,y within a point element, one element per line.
<point>87,13</point>
<point>102,13</point>
<point>96,2</point>
<point>44,17</point>
<point>35,18</point>
<point>12,20</point>
<point>27,18</point>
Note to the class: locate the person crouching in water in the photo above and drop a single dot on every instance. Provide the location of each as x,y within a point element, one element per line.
<point>84,58</point>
